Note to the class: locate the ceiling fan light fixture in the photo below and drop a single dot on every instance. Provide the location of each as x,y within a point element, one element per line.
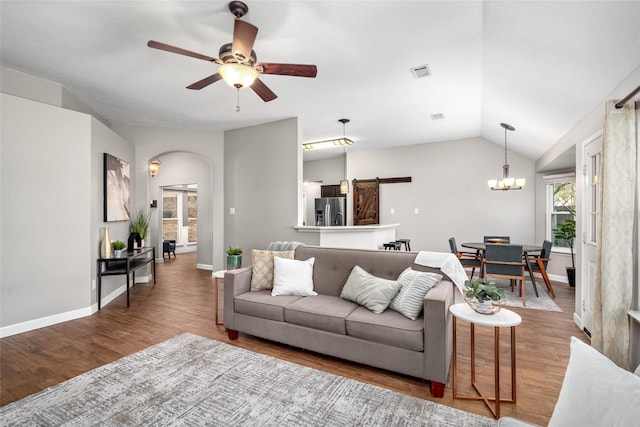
<point>328,143</point>
<point>238,75</point>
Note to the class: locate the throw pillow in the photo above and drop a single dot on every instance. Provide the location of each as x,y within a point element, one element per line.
<point>293,277</point>
<point>262,265</point>
<point>595,391</point>
<point>414,285</point>
<point>365,289</point>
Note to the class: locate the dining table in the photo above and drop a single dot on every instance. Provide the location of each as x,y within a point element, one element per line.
<point>526,250</point>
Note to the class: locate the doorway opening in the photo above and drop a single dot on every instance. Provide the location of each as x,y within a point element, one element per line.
<point>180,216</point>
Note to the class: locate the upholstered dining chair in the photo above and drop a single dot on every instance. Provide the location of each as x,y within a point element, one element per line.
<point>497,239</point>
<point>505,261</point>
<point>538,264</point>
<point>467,259</point>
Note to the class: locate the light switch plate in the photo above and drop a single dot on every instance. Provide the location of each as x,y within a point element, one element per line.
<point>232,211</point>
<point>392,211</point>
<point>416,211</point>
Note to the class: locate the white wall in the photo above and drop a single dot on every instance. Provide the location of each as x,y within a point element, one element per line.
<point>263,183</point>
<point>449,189</point>
<point>46,254</point>
<point>151,143</point>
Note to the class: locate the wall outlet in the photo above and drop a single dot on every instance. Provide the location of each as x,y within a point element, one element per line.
<point>232,211</point>
<point>416,211</point>
<point>392,211</point>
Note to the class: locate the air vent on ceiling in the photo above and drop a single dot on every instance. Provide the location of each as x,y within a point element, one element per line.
<point>421,71</point>
<point>437,116</point>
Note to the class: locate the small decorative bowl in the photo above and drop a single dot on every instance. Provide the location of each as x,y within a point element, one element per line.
<point>487,307</point>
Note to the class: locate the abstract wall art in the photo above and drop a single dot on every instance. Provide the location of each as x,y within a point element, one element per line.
<point>117,189</point>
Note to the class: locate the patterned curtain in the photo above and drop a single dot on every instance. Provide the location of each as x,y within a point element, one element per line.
<point>615,259</point>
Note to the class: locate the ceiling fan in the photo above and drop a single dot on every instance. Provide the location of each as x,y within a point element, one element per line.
<point>238,61</point>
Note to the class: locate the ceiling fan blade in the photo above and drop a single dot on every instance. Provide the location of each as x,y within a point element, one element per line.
<point>298,70</point>
<point>205,82</point>
<point>173,49</point>
<point>263,91</point>
<point>244,35</point>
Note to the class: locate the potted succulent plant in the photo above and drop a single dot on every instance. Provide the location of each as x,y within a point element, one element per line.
<point>118,246</point>
<point>483,297</point>
<point>566,233</point>
<point>234,257</point>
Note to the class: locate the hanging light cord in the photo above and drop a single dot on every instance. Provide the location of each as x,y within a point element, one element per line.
<point>238,100</point>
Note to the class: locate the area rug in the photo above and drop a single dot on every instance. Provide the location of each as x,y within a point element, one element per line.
<point>190,380</point>
<point>541,302</point>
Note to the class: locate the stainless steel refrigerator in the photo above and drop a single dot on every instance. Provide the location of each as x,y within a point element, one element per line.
<point>331,211</point>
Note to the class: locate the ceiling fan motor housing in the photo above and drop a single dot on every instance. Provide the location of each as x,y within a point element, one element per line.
<point>226,56</point>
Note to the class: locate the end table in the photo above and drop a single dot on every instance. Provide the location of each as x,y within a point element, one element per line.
<point>502,319</point>
<point>218,277</point>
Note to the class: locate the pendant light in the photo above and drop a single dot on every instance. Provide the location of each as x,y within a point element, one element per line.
<point>344,184</point>
<point>506,183</point>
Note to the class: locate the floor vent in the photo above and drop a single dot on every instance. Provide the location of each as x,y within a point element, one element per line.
<point>421,71</point>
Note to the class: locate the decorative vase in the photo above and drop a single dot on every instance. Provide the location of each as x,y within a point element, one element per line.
<point>234,261</point>
<point>571,276</point>
<point>486,307</point>
<point>106,251</point>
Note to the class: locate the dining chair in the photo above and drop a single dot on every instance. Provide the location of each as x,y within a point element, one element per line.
<point>497,239</point>
<point>538,264</point>
<point>505,261</point>
<point>467,259</point>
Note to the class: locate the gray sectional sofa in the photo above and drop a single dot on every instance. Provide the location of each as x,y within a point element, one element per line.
<point>330,325</point>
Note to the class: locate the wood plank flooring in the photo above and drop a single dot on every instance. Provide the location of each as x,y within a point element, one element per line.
<point>183,301</point>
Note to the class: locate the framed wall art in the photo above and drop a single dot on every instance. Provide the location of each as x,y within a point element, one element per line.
<point>117,189</point>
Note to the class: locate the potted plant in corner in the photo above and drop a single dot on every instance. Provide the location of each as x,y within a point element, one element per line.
<point>484,297</point>
<point>118,247</point>
<point>566,233</point>
<point>234,257</point>
<point>140,224</point>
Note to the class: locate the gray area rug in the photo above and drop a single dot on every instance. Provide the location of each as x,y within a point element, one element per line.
<point>190,380</point>
<point>542,302</point>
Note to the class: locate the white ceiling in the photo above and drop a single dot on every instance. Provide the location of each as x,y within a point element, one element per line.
<point>539,66</point>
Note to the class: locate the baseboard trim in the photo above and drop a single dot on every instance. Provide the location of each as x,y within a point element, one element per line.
<point>43,322</point>
<point>204,267</point>
<point>558,278</point>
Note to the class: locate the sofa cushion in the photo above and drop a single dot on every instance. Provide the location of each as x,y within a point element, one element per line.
<point>262,304</point>
<point>390,328</point>
<point>262,266</point>
<point>293,277</point>
<point>365,289</point>
<point>414,285</point>
<point>596,392</point>
<point>323,312</point>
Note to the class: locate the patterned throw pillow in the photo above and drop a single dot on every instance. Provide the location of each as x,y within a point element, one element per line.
<point>375,293</point>
<point>414,285</point>
<point>262,264</point>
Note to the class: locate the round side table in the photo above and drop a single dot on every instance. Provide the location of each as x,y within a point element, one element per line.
<point>502,319</point>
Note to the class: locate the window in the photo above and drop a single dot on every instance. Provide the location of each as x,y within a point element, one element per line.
<point>561,205</point>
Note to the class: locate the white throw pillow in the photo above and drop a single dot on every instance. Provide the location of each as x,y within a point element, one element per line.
<point>596,392</point>
<point>365,289</point>
<point>414,285</point>
<point>293,277</point>
<point>262,265</point>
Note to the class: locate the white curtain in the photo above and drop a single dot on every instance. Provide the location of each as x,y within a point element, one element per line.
<point>616,252</point>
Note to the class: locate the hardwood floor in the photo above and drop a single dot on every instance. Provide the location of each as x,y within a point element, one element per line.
<point>183,301</point>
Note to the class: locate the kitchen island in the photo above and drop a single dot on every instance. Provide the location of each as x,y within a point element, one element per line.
<point>352,236</point>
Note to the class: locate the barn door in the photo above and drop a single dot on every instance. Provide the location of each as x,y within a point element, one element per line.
<point>366,202</point>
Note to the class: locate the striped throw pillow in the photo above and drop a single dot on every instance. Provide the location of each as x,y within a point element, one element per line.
<point>414,286</point>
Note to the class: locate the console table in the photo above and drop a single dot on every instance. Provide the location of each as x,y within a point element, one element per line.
<point>127,263</point>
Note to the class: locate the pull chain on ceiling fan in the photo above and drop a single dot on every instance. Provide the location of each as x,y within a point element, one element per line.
<point>238,61</point>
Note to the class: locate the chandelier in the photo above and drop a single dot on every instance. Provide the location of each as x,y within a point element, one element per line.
<point>506,183</point>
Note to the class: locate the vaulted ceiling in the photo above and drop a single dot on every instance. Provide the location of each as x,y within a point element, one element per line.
<point>537,65</point>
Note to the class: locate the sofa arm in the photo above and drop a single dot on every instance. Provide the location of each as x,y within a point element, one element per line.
<point>236,282</point>
<point>438,331</point>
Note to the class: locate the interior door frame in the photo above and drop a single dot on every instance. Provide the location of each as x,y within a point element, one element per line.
<point>586,247</point>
